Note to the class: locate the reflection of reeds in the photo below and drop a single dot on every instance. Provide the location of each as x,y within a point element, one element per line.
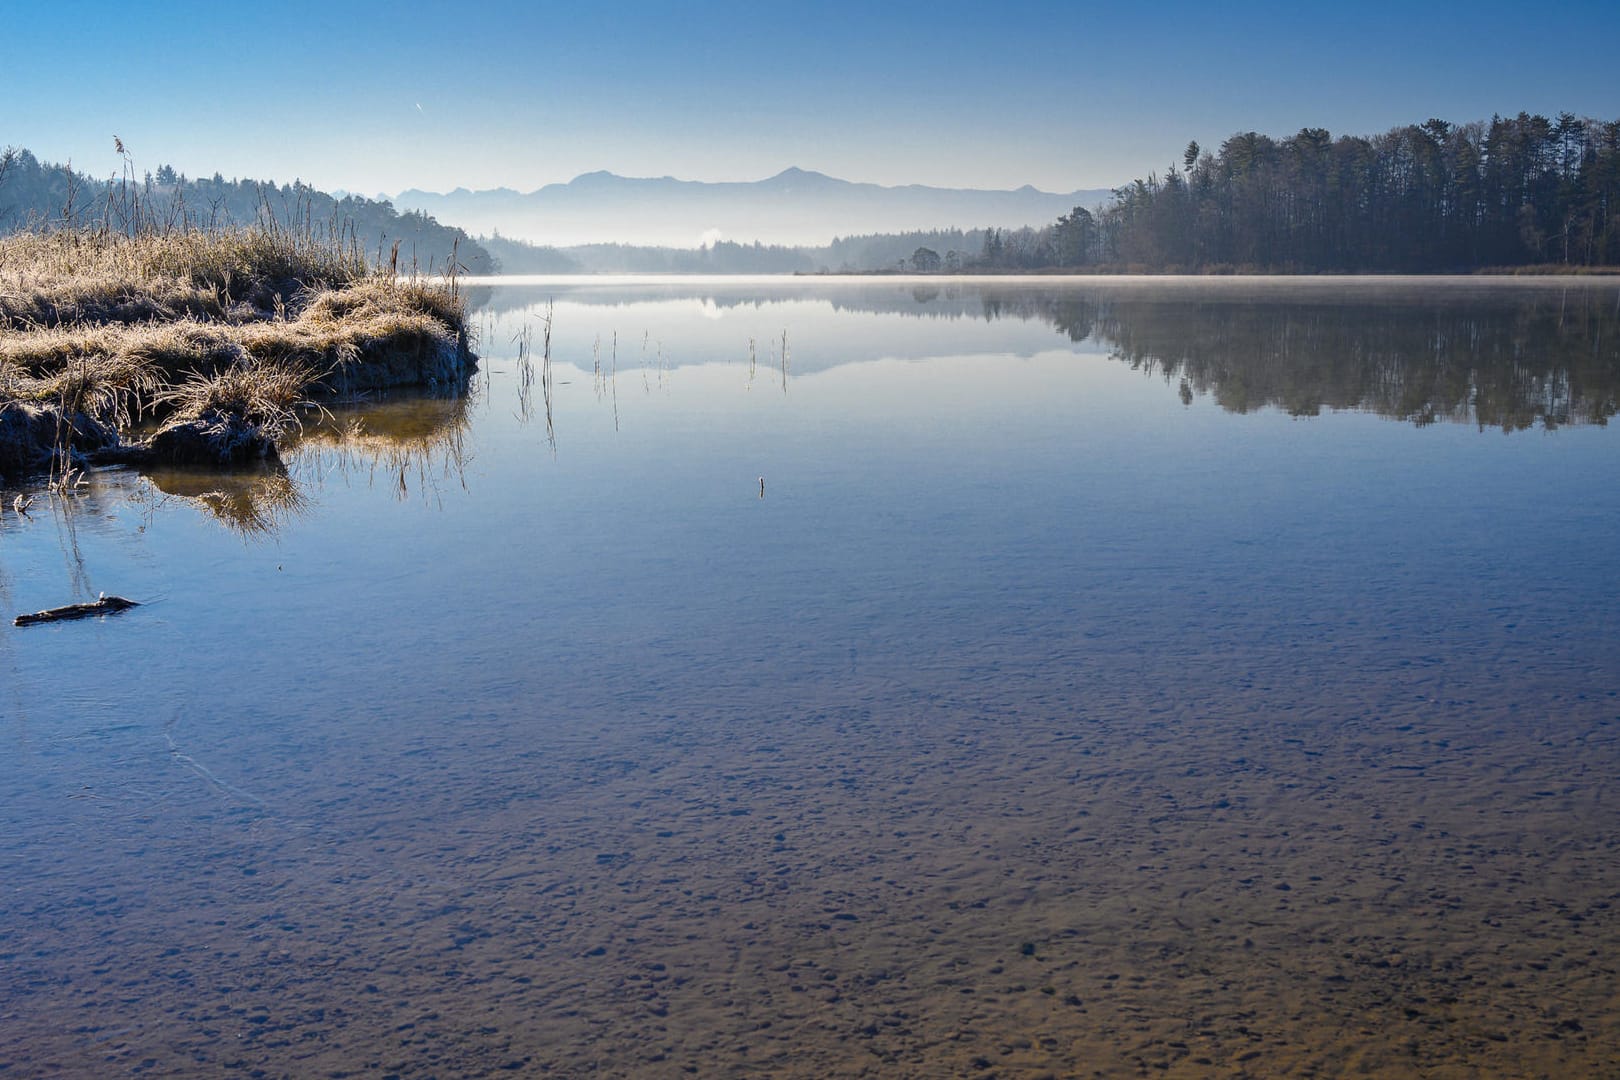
<point>596,367</point>
<point>64,510</point>
<point>545,379</point>
<point>253,502</point>
<point>524,341</point>
<point>419,439</point>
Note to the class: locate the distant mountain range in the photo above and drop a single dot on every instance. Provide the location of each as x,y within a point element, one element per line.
<point>793,207</point>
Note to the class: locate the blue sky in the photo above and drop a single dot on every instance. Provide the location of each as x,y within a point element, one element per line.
<point>378,97</point>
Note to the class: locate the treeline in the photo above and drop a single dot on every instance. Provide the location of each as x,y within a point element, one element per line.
<point>723,257</point>
<point>954,248</point>
<point>957,249</point>
<point>1425,197</point>
<point>35,194</point>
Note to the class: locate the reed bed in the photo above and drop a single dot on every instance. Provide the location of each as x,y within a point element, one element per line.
<point>102,332</point>
<point>232,275</point>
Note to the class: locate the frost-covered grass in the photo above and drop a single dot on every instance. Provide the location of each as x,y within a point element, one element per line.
<point>251,323</point>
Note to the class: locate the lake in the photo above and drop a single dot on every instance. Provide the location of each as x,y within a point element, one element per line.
<point>891,677</point>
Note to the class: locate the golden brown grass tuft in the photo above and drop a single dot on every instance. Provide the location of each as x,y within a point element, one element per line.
<point>267,393</point>
<point>250,323</point>
<point>68,276</point>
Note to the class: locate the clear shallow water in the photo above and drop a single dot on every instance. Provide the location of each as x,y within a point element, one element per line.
<point>1114,675</point>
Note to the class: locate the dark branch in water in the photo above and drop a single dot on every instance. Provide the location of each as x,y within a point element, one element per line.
<point>106,605</point>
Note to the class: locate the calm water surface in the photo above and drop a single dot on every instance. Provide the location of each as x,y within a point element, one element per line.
<point>1186,678</point>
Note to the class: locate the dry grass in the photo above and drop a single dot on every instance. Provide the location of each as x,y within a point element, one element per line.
<point>74,277</point>
<point>251,323</point>
<point>267,394</point>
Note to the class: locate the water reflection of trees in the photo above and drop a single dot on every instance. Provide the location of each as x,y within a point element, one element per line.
<point>1486,354</point>
<point>1547,359</point>
<point>1497,353</point>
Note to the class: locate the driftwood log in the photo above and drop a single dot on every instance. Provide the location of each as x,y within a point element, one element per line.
<point>105,605</point>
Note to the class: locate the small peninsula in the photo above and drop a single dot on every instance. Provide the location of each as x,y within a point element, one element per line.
<point>202,347</point>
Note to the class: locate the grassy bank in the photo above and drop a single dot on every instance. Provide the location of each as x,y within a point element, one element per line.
<point>200,347</point>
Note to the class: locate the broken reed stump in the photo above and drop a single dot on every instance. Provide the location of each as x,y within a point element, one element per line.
<point>104,605</point>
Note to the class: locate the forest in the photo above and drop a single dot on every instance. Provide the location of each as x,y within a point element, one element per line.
<point>39,194</point>
<point>845,254</point>
<point>1424,198</point>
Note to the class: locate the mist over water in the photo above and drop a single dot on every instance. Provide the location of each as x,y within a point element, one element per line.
<point>1108,675</point>
<point>795,207</point>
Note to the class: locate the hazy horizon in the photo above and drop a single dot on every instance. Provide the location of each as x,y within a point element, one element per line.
<point>796,207</point>
<point>740,179</point>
